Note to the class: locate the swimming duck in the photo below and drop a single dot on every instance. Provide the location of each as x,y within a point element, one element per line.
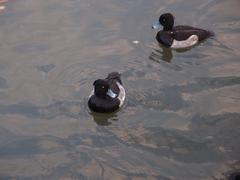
<point>234,176</point>
<point>108,94</point>
<point>177,37</point>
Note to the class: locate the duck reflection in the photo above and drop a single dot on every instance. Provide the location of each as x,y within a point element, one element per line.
<point>164,54</point>
<point>104,119</point>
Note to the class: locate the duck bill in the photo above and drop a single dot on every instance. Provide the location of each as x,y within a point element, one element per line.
<point>156,25</point>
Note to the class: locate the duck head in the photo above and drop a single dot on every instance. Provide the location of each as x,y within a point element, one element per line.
<point>101,88</point>
<point>166,20</point>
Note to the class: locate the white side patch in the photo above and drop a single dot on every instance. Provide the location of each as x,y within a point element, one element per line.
<point>122,94</point>
<point>91,94</point>
<point>191,41</point>
<point>111,93</point>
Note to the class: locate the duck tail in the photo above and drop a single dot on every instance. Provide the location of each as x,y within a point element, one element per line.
<point>115,76</point>
<point>211,33</point>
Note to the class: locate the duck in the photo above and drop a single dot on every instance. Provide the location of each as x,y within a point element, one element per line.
<point>181,36</point>
<point>108,94</point>
<point>234,176</point>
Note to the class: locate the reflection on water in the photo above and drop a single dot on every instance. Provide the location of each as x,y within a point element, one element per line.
<point>104,119</point>
<point>181,119</point>
<point>165,55</point>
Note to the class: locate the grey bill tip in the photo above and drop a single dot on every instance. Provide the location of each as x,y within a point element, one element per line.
<point>156,25</point>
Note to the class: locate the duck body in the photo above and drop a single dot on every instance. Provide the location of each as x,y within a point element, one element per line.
<point>108,94</point>
<point>181,36</point>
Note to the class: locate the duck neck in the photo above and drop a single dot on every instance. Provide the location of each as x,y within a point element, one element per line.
<point>168,28</point>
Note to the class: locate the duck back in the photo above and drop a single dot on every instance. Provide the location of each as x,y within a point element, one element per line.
<point>184,32</point>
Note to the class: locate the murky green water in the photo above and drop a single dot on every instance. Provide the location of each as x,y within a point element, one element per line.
<point>181,119</point>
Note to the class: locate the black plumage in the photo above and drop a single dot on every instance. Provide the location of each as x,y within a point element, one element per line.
<point>100,100</point>
<point>178,33</point>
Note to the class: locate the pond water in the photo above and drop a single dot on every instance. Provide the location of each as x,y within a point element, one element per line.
<point>181,118</point>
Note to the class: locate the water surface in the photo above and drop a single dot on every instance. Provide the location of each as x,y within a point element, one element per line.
<point>181,118</point>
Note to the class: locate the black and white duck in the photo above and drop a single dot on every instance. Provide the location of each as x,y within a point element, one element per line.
<point>108,94</point>
<point>178,37</point>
